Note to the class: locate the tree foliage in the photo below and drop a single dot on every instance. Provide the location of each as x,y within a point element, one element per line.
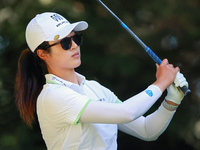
<point>109,55</point>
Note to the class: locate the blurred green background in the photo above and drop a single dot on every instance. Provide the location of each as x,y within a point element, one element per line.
<point>110,56</point>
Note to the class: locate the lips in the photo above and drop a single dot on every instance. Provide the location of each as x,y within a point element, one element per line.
<point>76,55</point>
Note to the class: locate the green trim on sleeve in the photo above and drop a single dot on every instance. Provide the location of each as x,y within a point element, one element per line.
<point>79,115</point>
<point>118,101</point>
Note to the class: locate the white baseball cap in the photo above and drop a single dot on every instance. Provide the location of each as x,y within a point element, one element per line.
<point>50,26</point>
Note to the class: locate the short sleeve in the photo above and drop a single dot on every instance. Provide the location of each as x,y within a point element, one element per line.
<point>61,105</point>
<point>109,96</point>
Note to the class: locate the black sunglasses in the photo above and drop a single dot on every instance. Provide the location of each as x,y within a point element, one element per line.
<point>66,42</point>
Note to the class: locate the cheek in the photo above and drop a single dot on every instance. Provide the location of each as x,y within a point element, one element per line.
<point>64,59</point>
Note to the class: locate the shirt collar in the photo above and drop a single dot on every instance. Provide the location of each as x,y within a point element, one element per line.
<point>51,78</point>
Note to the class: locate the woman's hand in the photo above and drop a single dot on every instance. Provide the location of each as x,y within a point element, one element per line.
<point>165,74</point>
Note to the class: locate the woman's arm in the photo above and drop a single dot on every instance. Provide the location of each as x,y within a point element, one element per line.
<point>129,110</point>
<point>136,106</point>
<point>149,128</point>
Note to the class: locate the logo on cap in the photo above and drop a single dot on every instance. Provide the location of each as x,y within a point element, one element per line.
<point>56,37</point>
<point>57,17</point>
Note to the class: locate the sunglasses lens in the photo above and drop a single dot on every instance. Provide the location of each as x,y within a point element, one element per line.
<point>78,39</point>
<point>66,43</point>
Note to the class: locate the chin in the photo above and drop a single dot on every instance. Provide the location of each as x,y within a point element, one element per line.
<point>77,65</point>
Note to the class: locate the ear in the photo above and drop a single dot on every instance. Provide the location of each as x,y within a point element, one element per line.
<point>42,54</point>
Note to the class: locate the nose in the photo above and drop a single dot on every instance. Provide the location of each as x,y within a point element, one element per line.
<point>74,45</point>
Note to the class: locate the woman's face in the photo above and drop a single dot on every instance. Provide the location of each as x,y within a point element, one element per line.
<point>62,60</point>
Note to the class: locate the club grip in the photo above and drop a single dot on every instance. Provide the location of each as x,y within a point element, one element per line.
<point>185,90</point>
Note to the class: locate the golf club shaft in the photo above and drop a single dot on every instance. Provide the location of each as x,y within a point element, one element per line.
<point>185,90</point>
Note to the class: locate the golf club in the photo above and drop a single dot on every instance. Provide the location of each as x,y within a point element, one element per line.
<point>185,90</point>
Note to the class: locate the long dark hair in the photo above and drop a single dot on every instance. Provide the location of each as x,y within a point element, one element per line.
<point>29,82</point>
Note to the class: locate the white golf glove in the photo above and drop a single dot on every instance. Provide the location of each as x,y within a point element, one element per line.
<point>180,80</point>
<point>174,94</point>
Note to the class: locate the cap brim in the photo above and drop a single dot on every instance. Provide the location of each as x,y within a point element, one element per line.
<point>63,32</point>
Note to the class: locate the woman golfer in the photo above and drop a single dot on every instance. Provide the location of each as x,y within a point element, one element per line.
<point>77,114</point>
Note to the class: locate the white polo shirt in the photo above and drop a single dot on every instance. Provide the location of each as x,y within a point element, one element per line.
<point>59,107</point>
